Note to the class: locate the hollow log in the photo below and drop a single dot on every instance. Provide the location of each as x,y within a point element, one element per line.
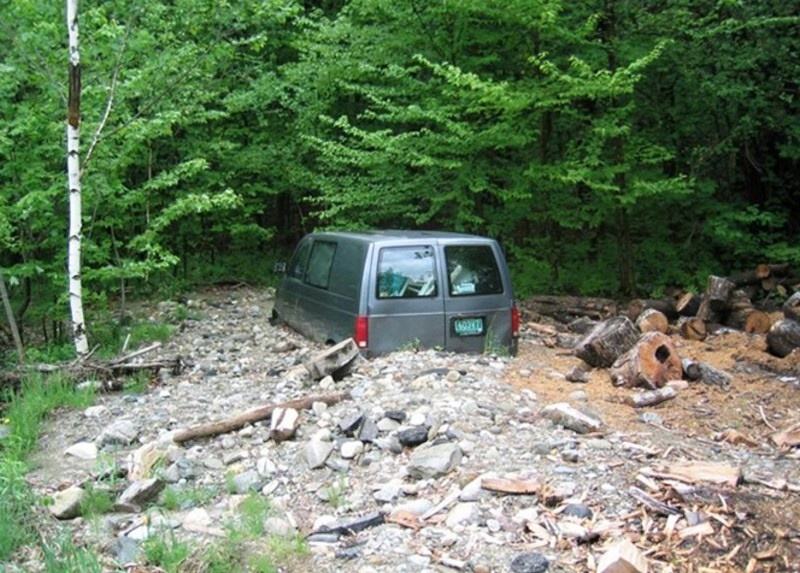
<point>791,308</point>
<point>783,337</point>
<point>607,341</point>
<point>692,328</point>
<point>567,308</point>
<point>650,363</point>
<point>254,415</point>
<point>652,320</point>
<point>688,304</point>
<point>665,306</point>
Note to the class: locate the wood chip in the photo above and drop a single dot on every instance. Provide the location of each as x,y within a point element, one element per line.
<point>713,472</point>
<point>735,437</point>
<point>404,519</point>
<point>704,528</point>
<point>512,486</point>
<point>623,557</point>
<point>789,437</point>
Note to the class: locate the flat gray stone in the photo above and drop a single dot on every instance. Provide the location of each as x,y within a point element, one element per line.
<point>248,481</point>
<point>463,514</point>
<point>529,563</point>
<point>67,503</point>
<point>82,451</point>
<point>351,449</point>
<point>121,432</point>
<point>316,453</point>
<point>434,461</point>
<point>141,491</point>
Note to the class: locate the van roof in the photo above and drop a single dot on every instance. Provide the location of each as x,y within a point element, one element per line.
<point>393,234</point>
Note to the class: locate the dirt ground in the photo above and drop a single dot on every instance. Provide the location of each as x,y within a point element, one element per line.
<point>764,396</point>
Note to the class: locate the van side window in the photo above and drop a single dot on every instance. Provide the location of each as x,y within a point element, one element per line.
<point>472,270</point>
<point>406,272</point>
<point>319,264</point>
<point>297,266</point>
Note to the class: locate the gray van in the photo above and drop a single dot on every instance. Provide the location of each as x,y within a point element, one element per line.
<point>389,289</point>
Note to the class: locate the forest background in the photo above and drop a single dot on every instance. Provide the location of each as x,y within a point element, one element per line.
<point>613,147</point>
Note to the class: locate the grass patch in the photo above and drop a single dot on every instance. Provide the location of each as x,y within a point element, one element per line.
<point>173,498</point>
<point>165,552</point>
<point>64,557</point>
<point>24,413</point>
<point>137,383</point>
<point>96,501</point>
<point>253,510</point>
<point>335,493</point>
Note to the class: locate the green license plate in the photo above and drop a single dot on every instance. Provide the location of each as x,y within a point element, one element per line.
<point>468,326</point>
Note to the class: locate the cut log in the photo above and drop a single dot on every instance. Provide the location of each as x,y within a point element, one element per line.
<point>783,337</point>
<point>702,372</point>
<point>650,363</point>
<point>652,320</point>
<point>758,274</point>
<point>692,328</point>
<point>567,308</point>
<point>744,317</point>
<point>254,415</point>
<point>691,369</point>
<point>607,341</point>
<point>652,397</point>
<point>688,304</point>
<point>665,306</point>
<point>718,292</point>
<point>582,325</point>
<point>791,308</point>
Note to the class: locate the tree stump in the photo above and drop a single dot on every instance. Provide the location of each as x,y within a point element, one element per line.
<point>791,308</point>
<point>714,305</point>
<point>783,337</point>
<point>650,363</point>
<point>692,328</point>
<point>607,341</point>
<point>652,320</point>
<point>688,304</point>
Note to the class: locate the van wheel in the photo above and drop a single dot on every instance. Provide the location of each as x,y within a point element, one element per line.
<point>330,342</point>
<point>275,318</point>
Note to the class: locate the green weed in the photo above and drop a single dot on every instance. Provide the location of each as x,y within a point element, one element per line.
<point>96,501</point>
<point>335,493</point>
<point>65,557</point>
<point>173,498</point>
<point>165,552</point>
<point>282,549</point>
<point>252,512</point>
<point>138,383</point>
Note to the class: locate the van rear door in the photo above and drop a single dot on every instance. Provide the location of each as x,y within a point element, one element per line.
<point>406,305</point>
<point>478,297</point>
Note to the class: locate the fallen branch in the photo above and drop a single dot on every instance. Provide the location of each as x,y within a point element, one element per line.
<point>251,416</point>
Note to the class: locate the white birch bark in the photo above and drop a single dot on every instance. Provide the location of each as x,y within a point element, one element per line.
<point>74,183</point>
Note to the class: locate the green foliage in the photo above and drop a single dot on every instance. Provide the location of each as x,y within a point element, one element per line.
<point>164,550</point>
<point>97,501</point>
<point>253,510</point>
<point>64,556</point>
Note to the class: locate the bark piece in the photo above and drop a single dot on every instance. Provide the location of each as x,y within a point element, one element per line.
<point>511,485</point>
<point>567,308</point>
<point>607,341</point>
<point>566,416</point>
<point>622,557</point>
<point>789,437</point>
<point>791,308</point>
<point>650,363</point>
<point>652,320</point>
<point>651,398</point>
<point>283,424</point>
<point>665,306</point>
<point>703,528</point>
<point>713,472</point>
<point>333,360</point>
<point>652,503</point>
<point>688,304</point>
<point>783,337</point>
<point>692,328</point>
<point>251,416</point>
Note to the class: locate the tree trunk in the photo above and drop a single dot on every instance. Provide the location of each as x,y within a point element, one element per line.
<point>791,308</point>
<point>567,308</point>
<point>651,363</point>
<point>692,328</point>
<point>74,182</point>
<point>652,320</point>
<point>688,304</point>
<point>607,341</point>
<point>12,323</point>
<point>783,337</point>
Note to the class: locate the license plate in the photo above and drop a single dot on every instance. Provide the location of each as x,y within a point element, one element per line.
<point>468,326</point>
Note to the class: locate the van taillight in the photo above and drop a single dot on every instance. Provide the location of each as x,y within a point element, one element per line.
<point>514,321</point>
<point>361,335</point>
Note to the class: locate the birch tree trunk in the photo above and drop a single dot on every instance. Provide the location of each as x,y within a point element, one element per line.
<point>12,323</point>
<point>74,182</point>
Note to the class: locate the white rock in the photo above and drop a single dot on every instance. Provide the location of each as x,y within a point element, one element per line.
<point>434,461</point>
<point>67,503</point>
<point>323,521</point>
<point>278,526</point>
<point>387,425</point>
<point>95,411</point>
<point>416,506</point>
<point>82,450</point>
<point>197,519</point>
<point>283,424</point>
<point>316,453</point>
<point>319,408</point>
<point>351,449</point>
<point>120,432</point>
<point>265,467</point>
<point>463,514</point>
<point>141,533</point>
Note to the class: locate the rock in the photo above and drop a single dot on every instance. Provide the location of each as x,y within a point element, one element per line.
<point>197,520</point>
<point>368,431</point>
<point>565,415</point>
<point>121,433</point>
<point>141,533</point>
<point>453,376</point>
<point>351,449</point>
<point>396,415</point>
<point>413,437</point>
<point>434,461</point>
<point>578,396</point>
<point>82,450</point>
<point>141,491</point>
<point>350,424</point>
<point>316,453</point>
<point>319,408</point>
<point>417,419</point>
<point>577,375</point>
<point>622,557</point>
<point>278,526</point>
<point>387,424</point>
<point>416,506</point>
<point>213,463</point>
<point>529,563</point>
<point>570,455</point>
<point>126,550</point>
<point>389,491</point>
<point>95,411</point>
<point>283,424</point>
<point>247,481</point>
<point>578,510</point>
<point>473,490</point>
<point>572,530</point>
<point>463,514</point>
<point>265,467</point>
<point>142,461</point>
<point>67,503</point>
<point>232,457</point>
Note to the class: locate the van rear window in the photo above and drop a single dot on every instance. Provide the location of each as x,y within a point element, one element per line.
<point>406,272</point>
<point>472,270</point>
<point>319,264</point>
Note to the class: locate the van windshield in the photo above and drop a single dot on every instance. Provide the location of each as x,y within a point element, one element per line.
<point>472,270</point>
<point>406,272</point>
